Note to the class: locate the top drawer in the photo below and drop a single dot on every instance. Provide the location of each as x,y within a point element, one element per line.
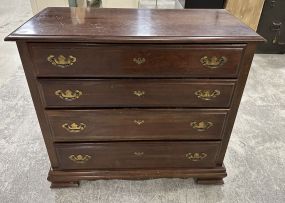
<point>93,60</point>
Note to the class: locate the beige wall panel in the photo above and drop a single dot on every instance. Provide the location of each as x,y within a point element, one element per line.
<point>38,5</point>
<point>120,3</point>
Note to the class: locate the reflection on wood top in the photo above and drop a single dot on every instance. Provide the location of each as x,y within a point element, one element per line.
<point>135,25</point>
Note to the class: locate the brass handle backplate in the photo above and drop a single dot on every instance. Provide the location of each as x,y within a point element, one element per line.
<point>201,126</point>
<point>68,95</point>
<point>74,128</point>
<point>207,94</point>
<point>79,159</point>
<point>196,156</point>
<point>61,61</point>
<point>139,122</point>
<point>213,62</point>
<point>139,93</point>
<point>139,61</point>
<point>138,153</point>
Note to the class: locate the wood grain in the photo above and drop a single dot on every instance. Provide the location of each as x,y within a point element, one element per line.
<point>71,178</point>
<point>137,124</point>
<point>122,93</point>
<point>93,60</point>
<point>147,155</point>
<point>135,26</point>
<point>248,12</point>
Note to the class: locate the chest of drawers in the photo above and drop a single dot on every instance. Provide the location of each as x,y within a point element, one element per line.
<point>135,94</point>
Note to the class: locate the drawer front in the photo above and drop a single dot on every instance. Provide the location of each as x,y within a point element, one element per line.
<point>69,60</point>
<point>127,155</point>
<point>135,124</point>
<point>137,93</point>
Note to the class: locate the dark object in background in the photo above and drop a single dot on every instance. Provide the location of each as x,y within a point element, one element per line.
<point>272,27</point>
<point>84,3</point>
<point>204,3</point>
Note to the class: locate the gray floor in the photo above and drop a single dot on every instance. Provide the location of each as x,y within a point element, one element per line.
<point>254,160</point>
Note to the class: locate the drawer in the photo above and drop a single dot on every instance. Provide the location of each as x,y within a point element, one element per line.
<point>136,124</point>
<point>137,93</point>
<point>91,60</point>
<point>131,155</point>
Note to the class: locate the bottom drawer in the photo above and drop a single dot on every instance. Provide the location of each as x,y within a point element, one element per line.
<point>130,155</point>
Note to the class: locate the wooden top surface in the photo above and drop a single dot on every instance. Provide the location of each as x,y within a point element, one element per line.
<point>135,25</point>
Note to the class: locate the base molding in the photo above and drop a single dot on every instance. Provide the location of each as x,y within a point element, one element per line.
<point>64,184</point>
<point>209,181</point>
<point>71,178</point>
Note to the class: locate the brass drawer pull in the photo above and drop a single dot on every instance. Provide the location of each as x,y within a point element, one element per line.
<point>61,61</point>
<point>207,94</point>
<point>196,156</point>
<point>68,95</point>
<point>201,126</point>
<point>74,128</point>
<point>138,153</point>
<point>139,93</point>
<point>139,61</point>
<point>79,159</point>
<point>139,122</point>
<point>213,62</point>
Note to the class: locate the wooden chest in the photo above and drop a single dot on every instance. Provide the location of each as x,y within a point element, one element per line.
<point>135,94</point>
